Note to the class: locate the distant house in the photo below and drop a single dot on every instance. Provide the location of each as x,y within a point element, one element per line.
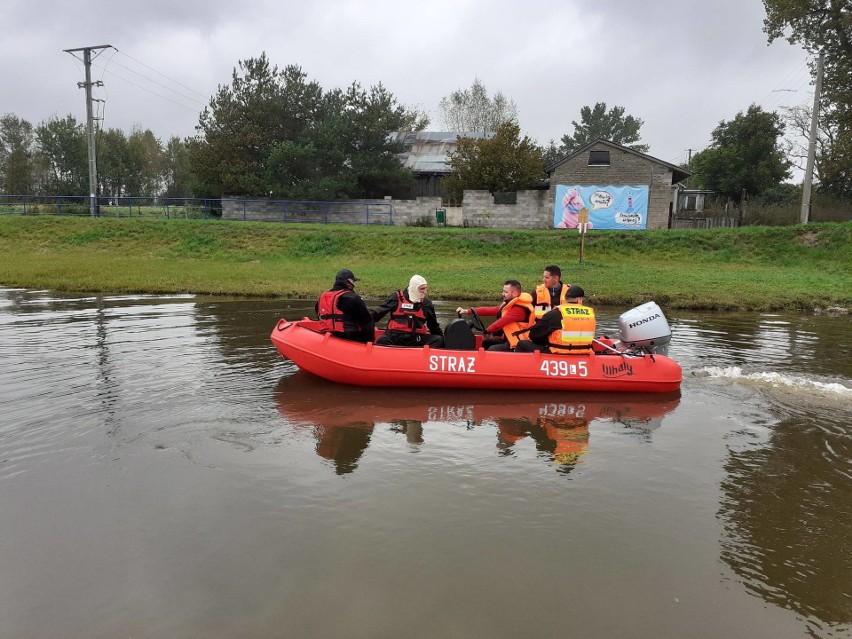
<point>428,157</point>
<point>692,199</point>
<point>606,164</point>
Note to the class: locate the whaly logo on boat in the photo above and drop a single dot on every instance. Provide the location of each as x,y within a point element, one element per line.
<point>452,364</point>
<point>617,371</point>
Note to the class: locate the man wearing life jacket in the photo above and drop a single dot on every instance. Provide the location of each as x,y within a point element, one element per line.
<point>514,317</point>
<point>567,329</point>
<point>551,292</point>
<point>412,317</point>
<point>342,312</point>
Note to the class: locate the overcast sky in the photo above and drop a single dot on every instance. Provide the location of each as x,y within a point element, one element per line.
<point>679,66</point>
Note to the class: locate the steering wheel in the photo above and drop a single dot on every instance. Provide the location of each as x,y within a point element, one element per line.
<point>476,321</point>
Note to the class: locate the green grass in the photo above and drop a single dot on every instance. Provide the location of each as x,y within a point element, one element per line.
<point>756,268</point>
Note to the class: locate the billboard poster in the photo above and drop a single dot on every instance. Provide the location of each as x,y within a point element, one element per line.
<point>610,207</point>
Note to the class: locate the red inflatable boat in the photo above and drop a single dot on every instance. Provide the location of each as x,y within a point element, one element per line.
<point>615,367</point>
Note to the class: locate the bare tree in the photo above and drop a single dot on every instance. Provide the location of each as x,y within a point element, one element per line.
<point>471,110</point>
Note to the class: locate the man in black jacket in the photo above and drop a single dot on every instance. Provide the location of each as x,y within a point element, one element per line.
<point>342,312</point>
<point>539,335</point>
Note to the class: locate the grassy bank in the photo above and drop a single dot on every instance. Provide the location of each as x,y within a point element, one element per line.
<point>749,268</point>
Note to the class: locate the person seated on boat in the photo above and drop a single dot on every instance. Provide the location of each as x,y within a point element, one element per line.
<point>551,292</point>
<point>412,321</point>
<point>567,329</point>
<point>343,313</point>
<point>514,317</point>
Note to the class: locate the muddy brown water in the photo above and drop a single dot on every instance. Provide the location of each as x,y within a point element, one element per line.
<point>165,473</point>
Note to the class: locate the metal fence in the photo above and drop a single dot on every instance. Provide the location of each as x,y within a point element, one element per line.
<point>697,222</point>
<point>80,205</point>
<point>348,212</point>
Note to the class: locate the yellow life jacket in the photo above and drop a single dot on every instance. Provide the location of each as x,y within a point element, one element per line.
<point>577,331</point>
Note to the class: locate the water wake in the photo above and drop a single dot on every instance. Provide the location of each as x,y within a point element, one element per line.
<point>776,380</point>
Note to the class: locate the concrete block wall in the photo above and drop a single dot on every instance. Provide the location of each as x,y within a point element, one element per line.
<point>406,212</point>
<point>529,211</point>
<point>625,169</point>
<point>352,212</point>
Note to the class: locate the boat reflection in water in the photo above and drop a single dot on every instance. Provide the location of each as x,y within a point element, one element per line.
<point>343,417</point>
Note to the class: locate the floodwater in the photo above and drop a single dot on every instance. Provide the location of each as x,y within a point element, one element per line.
<point>164,473</point>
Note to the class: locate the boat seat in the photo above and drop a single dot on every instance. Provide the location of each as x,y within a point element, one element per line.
<point>459,337</point>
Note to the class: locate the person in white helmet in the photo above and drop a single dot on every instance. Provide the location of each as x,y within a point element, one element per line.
<point>412,317</point>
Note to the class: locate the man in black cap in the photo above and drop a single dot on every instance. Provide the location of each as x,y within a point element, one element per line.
<point>568,328</point>
<point>342,312</point>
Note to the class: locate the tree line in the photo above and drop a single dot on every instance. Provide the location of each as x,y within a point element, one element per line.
<point>276,133</point>
<point>51,158</point>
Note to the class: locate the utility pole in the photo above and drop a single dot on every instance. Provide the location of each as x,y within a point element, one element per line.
<point>809,170</point>
<point>689,165</point>
<point>90,120</point>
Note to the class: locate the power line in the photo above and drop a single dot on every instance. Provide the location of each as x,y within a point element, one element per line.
<point>791,83</point>
<point>168,88</point>
<point>188,108</point>
<point>164,75</point>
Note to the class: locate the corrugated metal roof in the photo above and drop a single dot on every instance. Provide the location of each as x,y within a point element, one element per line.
<point>429,150</point>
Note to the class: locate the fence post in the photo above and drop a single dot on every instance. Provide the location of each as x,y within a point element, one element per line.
<point>244,210</point>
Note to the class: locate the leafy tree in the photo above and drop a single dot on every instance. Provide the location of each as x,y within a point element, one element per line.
<point>146,164</point>
<point>612,125</point>
<point>274,132</point>
<point>348,152</point>
<point>472,110</point>
<point>744,156</point>
<point>113,163</point>
<point>551,153</point>
<point>242,123</point>
<point>824,26</point>
<point>130,166</point>
<point>62,147</point>
<point>177,175</point>
<point>17,155</point>
<point>505,162</point>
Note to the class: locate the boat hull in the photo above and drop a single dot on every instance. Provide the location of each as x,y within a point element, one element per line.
<point>353,363</point>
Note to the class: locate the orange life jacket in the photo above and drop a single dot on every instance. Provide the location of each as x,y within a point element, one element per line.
<point>576,333</point>
<point>516,330</point>
<point>408,317</point>
<point>542,298</point>
<point>331,318</point>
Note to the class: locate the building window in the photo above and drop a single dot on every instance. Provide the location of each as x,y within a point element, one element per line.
<point>690,202</point>
<point>598,158</point>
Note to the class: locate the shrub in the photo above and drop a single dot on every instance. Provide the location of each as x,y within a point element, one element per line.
<point>423,220</point>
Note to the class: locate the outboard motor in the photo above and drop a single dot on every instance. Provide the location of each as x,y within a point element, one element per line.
<point>646,327</point>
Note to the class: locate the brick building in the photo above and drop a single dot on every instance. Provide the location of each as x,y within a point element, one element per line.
<point>602,162</point>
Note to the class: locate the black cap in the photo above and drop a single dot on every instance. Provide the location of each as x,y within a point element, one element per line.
<point>345,274</point>
<point>575,291</point>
